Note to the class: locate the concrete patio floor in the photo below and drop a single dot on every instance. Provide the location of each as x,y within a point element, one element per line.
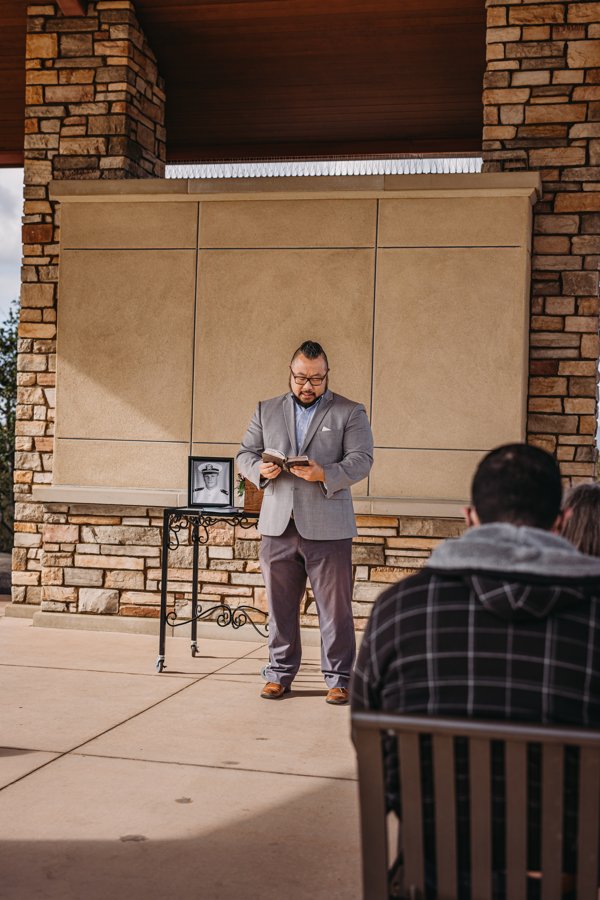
<point>117,782</point>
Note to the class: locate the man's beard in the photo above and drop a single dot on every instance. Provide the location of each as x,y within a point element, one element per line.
<point>307,403</point>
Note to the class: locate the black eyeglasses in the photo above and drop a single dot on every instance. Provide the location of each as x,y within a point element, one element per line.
<point>316,380</point>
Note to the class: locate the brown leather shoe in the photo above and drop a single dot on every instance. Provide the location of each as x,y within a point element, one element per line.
<point>338,696</point>
<point>273,691</point>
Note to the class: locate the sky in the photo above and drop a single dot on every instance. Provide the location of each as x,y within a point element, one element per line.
<point>11,210</point>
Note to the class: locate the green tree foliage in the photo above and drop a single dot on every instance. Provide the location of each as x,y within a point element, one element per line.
<point>8,402</point>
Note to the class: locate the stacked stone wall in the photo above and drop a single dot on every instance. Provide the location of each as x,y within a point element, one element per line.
<point>542,111</point>
<point>94,99</point>
<point>106,559</point>
<point>94,108</point>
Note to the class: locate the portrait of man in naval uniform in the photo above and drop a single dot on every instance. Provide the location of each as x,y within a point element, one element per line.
<point>210,482</point>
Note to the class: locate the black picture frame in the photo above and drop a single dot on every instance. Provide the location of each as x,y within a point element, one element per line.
<point>198,482</point>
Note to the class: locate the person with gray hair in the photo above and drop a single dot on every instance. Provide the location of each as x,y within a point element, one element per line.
<point>581,518</point>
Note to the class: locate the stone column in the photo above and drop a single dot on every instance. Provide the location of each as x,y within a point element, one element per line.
<point>94,108</point>
<point>542,111</point>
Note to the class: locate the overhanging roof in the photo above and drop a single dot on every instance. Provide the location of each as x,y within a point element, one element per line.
<point>296,78</point>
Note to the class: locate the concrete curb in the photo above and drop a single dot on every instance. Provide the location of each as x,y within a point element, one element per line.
<point>20,610</point>
<point>311,637</point>
<point>134,625</point>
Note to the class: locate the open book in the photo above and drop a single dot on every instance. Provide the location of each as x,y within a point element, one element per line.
<point>283,461</point>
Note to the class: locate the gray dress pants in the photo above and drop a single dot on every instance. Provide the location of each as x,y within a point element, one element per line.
<point>286,561</point>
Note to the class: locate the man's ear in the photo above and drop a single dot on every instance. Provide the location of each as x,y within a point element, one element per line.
<point>470,516</point>
<point>561,520</point>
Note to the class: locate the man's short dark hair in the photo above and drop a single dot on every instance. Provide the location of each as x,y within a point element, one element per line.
<point>311,350</point>
<point>519,484</point>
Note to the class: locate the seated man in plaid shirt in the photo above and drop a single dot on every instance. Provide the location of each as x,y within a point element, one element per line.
<point>502,623</point>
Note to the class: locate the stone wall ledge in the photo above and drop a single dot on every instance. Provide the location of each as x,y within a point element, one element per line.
<point>410,506</point>
<point>376,506</point>
<point>108,496</point>
<point>496,184</point>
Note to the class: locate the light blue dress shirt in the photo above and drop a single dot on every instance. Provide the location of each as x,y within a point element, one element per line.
<point>303,418</point>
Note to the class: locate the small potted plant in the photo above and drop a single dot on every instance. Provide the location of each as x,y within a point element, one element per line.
<point>252,496</point>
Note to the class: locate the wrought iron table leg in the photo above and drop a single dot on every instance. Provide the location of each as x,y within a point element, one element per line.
<point>195,537</point>
<point>160,662</point>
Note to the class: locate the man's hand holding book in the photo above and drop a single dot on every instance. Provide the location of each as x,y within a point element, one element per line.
<point>274,462</point>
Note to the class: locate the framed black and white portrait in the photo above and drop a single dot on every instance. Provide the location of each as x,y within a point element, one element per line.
<point>210,481</point>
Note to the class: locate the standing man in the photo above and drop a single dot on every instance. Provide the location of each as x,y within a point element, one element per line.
<point>307,520</point>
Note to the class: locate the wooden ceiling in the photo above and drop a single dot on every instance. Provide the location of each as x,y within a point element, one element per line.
<point>256,79</point>
<point>12,80</point>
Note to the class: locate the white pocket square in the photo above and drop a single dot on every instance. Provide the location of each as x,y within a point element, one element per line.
<point>325,428</point>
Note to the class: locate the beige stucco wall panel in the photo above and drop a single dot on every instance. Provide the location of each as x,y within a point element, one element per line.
<point>256,307</point>
<point>450,363</point>
<point>454,222</point>
<point>424,474</point>
<point>121,464</point>
<point>450,317</point>
<point>125,343</point>
<point>122,225</point>
<point>291,223</point>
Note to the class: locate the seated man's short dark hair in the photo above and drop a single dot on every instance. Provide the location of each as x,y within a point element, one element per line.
<point>517,483</point>
<point>311,350</point>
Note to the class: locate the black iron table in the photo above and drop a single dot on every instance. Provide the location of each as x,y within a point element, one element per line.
<point>196,521</point>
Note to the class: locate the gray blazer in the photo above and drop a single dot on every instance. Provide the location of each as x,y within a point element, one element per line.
<point>339,439</point>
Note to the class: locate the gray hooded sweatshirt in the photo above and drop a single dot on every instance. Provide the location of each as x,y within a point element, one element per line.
<point>519,572</point>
